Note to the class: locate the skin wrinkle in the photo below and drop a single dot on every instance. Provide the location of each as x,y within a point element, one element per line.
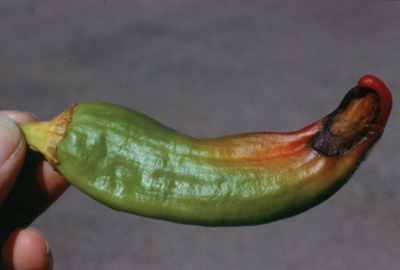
<point>9,166</point>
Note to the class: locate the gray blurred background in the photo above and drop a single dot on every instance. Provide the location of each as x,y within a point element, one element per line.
<point>210,68</point>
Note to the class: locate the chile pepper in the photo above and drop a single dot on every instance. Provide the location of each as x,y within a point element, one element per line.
<point>132,163</point>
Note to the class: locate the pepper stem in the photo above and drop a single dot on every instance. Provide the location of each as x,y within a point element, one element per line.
<point>35,135</point>
<point>44,137</point>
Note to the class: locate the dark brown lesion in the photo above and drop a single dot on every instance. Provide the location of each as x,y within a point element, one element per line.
<point>349,123</point>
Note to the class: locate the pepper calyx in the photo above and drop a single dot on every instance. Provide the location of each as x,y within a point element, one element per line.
<point>44,137</point>
<point>56,133</point>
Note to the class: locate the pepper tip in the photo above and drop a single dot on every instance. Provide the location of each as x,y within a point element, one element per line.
<point>383,91</point>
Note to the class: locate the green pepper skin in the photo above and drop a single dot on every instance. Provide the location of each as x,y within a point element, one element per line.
<point>134,164</point>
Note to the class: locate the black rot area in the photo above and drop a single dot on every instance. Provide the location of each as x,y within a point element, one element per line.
<point>349,124</point>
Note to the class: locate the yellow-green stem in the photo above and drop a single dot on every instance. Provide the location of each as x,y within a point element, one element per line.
<point>35,135</point>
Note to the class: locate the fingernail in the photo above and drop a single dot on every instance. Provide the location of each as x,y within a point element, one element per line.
<point>48,251</point>
<point>10,137</point>
<point>21,116</point>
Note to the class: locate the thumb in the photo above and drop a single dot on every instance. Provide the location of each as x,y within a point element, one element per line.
<point>12,153</point>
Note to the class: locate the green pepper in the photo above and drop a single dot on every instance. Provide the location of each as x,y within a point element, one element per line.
<point>132,163</point>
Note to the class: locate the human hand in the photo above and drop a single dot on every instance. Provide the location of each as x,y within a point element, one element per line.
<point>28,186</point>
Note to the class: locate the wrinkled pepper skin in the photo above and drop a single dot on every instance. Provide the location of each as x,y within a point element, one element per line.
<point>132,163</point>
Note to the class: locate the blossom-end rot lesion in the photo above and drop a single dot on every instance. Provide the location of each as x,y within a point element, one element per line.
<point>349,124</point>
